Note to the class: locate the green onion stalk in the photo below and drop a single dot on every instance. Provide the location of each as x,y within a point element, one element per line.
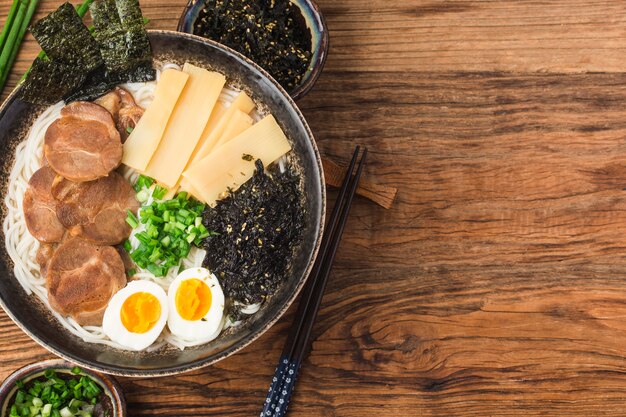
<point>4,72</point>
<point>12,37</point>
<point>8,23</point>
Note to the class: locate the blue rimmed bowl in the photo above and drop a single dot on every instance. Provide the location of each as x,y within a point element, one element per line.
<point>315,23</point>
<point>109,385</point>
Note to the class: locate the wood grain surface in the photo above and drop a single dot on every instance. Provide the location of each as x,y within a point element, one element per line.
<point>496,284</point>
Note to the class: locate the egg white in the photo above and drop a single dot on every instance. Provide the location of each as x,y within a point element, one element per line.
<point>205,328</point>
<point>112,322</point>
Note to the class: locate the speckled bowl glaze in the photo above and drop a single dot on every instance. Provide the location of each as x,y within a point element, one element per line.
<point>314,21</point>
<point>35,319</point>
<point>35,370</point>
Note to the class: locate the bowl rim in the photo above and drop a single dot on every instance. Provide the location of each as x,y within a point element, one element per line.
<point>254,335</point>
<point>106,381</point>
<point>316,66</point>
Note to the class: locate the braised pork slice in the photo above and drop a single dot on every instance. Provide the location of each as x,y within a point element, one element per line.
<point>44,255</point>
<point>95,210</point>
<point>83,144</point>
<point>82,278</point>
<point>126,113</point>
<point>40,207</point>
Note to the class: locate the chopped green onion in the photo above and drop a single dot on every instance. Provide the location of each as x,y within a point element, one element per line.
<point>129,130</point>
<point>171,227</point>
<point>156,219</point>
<point>56,397</point>
<point>159,192</point>
<point>143,182</point>
<point>131,219</point>
<point>143,195</point>
<point>74,403</point>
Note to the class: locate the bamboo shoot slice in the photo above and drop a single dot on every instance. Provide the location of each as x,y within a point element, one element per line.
<point>145,138</point>
<point>238,123</point>
<point>186,125</point>
<point>242,103</point>
<point>232,164</point>
<point>212,132</point>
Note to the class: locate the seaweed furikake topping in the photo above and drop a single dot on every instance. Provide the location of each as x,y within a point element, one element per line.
<point>272,33</point>
<point>258,226</point>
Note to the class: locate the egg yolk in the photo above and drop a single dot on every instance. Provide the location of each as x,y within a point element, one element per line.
<point>140,312</point>
<point>193,299</point>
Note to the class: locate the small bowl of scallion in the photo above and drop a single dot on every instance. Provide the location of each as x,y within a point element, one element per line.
<point>56,388</point>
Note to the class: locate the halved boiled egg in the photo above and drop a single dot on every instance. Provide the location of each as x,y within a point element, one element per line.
<point>136,315</point>
<point>196,305</point>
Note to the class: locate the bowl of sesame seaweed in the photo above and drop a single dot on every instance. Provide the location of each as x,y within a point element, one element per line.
<point>289,39</point>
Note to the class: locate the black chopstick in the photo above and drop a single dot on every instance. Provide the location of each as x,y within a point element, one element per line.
<point>298,340</point>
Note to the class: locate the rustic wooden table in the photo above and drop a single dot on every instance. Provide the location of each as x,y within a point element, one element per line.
<point>496,285</point>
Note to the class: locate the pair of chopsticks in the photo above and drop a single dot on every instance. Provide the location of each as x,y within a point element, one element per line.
<point>299,338</point>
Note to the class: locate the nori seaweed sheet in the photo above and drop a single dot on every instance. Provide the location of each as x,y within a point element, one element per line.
<point>119,53</point>
<point>142,74</point>
<point>48,81</point>
<point>66,40</point>
<point>258,226</point>
<point>120,33</point>
<point>98,84</point>
<point>124,45</point>
<point>129,13</point>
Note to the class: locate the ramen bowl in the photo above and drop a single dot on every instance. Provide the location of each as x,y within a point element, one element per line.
<point>36,319</point>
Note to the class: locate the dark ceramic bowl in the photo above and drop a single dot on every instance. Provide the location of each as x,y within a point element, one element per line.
<point>314,21</point>
<point>34,318</point>
<point>110,386</point>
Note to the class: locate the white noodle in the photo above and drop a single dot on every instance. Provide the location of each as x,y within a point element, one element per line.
<point>22,247</point>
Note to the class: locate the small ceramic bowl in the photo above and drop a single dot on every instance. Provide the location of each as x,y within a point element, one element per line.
<point>36,370</point>
<point>314,21</point>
